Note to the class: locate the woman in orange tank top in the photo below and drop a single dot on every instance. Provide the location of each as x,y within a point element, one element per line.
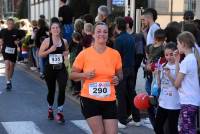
<point>100,69</point>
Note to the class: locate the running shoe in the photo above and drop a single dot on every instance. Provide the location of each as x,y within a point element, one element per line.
<point>121,126</point>
<point>9,86</point>
<point>42,76</point>
<point>60,118</point>
<point>50,114</point>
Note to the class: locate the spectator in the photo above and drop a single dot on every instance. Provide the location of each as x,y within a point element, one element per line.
<point>33,46</point>
<point>102,14</point>
<point>65,15</point>
<point>150,16</point>
<point>42,33</point>
<point>79,26</point>
<point>75,48</point>
<point>140,43</point>
<point>88,18</point>
<point>172,30</point>
<point>87,38</point>
<point>154,53</point>
<point>125,44</point>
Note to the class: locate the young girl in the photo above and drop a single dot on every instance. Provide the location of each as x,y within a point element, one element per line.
<point>187,82</point>
<point>169,103</point>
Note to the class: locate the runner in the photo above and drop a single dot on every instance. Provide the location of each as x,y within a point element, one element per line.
<point>100,68</point>
<point>9,40</point>
<point>54,49</point>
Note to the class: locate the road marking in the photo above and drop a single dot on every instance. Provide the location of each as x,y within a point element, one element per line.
<point>21,127</point>
<point>82,124</point>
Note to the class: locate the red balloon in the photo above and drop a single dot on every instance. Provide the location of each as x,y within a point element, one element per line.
<point>141,101</point>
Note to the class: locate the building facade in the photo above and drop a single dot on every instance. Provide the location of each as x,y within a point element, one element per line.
<point>9,8</point>
<point>49,8</point>
<point>168,10</point>
<point>172,10</point>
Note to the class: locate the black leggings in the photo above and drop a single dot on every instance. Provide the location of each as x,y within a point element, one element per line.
<point>51,76</point>
<point>169,116</point>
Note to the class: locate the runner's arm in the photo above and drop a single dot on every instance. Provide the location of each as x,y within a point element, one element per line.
<point>44,51</point>
<point>77,74</point>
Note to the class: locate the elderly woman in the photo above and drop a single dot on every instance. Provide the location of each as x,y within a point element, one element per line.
<point>100,68</point>
<point>54,49</point>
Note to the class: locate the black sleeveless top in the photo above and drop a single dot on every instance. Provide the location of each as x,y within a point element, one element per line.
<point>59,50</point>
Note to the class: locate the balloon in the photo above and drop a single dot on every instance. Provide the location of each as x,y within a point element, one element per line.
<point>141,101</point>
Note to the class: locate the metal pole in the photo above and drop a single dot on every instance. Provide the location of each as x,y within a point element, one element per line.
<point>126,8</point>
<point>49,11</point>
<point>171,14</point>
<point>29,6</point>
<point>132,5</point>
<point>54,8</point>
<point>109,5</point>
<point>13,7</point>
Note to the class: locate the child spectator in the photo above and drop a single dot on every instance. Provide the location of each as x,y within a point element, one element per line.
<point>187,81</point>
<point>153,54</point>
<point>87,38</point>
<point>169,103</point>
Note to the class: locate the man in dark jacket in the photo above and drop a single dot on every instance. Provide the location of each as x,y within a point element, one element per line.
<point>125,44</point>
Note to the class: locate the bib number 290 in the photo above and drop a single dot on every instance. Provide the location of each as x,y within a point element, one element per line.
<point>100,89</point>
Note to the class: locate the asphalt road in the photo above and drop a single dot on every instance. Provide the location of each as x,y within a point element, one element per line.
<point>24,109</point>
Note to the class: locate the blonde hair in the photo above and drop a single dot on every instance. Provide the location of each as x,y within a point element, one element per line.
<point>79,25</point>
<point>103,10</point>
<point>88,27</point>
<point>189,40</point>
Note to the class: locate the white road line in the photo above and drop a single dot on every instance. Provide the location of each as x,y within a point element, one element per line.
<point>21,127</point>
<point>82,124</point>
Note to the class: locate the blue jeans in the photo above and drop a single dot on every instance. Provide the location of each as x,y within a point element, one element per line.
<point>34,54</point>
<point>68,29</point>
<point>42,65</point>
<point>148,85</point>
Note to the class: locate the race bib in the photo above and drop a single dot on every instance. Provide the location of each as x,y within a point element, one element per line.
<point>10,50</point>
<point>100,89</point>
<point>55,58</point>
<point>169,93</point>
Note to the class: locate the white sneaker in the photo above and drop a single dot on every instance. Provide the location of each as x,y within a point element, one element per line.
<point>133,123</point>
<point>121,126</point>
<point>33,68</point>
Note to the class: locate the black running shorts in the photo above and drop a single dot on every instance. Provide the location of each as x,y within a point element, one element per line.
<point>91,108</point>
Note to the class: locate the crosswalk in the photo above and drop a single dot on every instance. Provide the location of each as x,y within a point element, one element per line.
<point>29,127</point>
<point>21,127</point>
